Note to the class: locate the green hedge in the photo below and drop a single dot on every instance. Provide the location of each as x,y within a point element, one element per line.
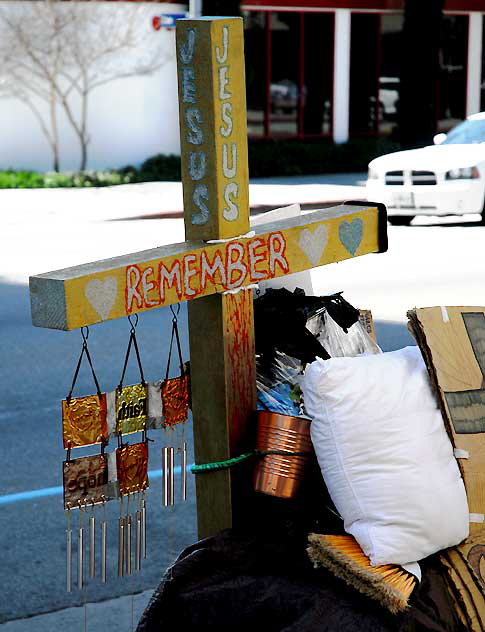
<point>267,158</point>
<point>296,157</point>
<point>32,180</point>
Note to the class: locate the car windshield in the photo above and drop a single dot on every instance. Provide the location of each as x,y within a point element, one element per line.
<point>466,133</point>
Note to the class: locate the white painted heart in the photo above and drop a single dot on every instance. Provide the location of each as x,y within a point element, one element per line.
<point>102,295</point>
<point>314,243</point>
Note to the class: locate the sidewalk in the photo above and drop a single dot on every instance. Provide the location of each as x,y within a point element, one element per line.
<point>50,229</point>
<point>115,614</point>
<point>164,199</point>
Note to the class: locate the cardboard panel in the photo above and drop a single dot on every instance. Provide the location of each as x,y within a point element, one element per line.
<point>452,342</point>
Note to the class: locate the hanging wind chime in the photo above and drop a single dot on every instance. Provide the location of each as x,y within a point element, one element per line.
<point>91,481</point>
<point>84,423</point>
<point>175,408</point>
<point>132,462</point>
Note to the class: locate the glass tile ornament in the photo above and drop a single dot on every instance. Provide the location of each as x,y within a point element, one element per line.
<point>175,400</point>
<point>131,405</point>
<point>84,418</point>
<point>132,468</point>
<point>131,408</point>
<point>85,481</point>
<point>175,390</point>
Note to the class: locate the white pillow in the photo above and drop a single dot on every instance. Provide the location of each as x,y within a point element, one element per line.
<point>385,455</point>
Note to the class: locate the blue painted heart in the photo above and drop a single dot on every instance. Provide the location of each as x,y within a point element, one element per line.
<point>350,234</point>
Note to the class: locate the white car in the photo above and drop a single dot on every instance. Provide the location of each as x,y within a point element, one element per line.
<point>447,178</point>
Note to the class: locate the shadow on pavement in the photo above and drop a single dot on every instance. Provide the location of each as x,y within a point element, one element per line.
<point>36,369</point>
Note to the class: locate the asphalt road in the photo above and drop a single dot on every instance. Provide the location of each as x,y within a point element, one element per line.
<point>35,373</point>
<point>427,264</point>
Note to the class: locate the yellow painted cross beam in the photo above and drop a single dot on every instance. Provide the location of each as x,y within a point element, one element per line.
<point>215,265</point>
<point>95,292</point>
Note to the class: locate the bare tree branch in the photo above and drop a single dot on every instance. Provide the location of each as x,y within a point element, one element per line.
<point>59,52</point>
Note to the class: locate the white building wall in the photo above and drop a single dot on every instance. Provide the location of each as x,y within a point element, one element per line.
<point>129,120</point>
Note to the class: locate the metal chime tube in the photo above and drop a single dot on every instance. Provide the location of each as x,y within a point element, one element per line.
<point>165,476</point>
<point>138,542</point>
<point>184,471</point>
<point>128,545</point>
<point>104,527</point>
<point>143,529</point>
<point>171,486</point>
<point>80,559</point>
<point>121,546</point>
<point>69,560</point>
<point>92,547</point>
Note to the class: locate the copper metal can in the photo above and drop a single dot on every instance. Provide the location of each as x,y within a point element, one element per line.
<point>276,474</point>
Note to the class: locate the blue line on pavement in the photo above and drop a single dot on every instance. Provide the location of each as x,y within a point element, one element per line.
<point>58,491</point>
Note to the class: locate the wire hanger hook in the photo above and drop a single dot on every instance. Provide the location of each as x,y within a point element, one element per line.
<point>175,311</point>
<point>134,322</point>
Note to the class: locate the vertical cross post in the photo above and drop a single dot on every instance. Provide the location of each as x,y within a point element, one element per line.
<point>212,106</point>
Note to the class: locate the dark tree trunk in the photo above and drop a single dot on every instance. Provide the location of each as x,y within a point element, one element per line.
<point>420,72</point>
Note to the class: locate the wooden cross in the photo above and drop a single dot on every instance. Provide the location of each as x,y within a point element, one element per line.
<point>215,183</point>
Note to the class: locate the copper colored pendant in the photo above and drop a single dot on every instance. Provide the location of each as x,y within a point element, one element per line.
<point>85,481</point>
<point>132,467</point>
<point>84,420</point>
<point>131,408</point>
<point>175,400</point>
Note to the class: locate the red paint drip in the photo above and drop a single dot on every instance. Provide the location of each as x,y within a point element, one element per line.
<point>240,341</point>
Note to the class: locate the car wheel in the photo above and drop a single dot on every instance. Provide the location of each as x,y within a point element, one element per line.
<point>401,220</point>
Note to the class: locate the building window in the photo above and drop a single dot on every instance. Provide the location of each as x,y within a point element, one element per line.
<point>453,71</point>
<point>255,44</point>
<point>318,73</point>
<point>364,73</point>
<point>289,73</point>
<point>389,72</point>
<point>287,90</point>
<point>482,84</point>
<point>375,54</point>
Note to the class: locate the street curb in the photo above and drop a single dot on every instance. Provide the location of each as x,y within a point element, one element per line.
<point>254,210</point>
